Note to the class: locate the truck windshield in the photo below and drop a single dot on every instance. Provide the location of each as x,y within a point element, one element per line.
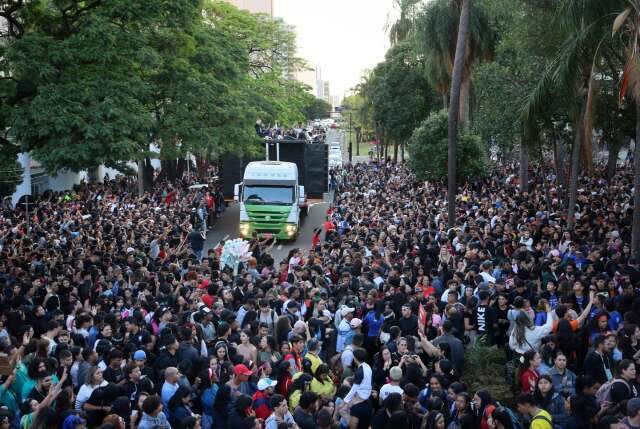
<point>268,195</point>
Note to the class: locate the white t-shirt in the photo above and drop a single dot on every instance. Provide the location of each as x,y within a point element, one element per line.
<point>387,389</point>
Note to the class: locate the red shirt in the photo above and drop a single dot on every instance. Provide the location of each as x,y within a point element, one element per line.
<point>261,405</point>
<point>528,380</point>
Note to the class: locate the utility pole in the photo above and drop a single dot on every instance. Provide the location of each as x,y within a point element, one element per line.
<point>350,143</point>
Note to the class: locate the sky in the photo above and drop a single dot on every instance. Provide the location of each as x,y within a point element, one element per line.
<point>344,37</point>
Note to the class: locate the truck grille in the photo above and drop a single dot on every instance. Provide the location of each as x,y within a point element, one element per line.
<point>267,217</point>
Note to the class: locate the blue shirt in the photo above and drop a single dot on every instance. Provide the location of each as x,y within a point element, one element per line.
<point>374,325</point>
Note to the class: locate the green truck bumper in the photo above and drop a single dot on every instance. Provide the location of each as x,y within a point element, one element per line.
<point>282,231</point>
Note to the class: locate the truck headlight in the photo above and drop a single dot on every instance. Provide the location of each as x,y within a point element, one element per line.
<point>244,228</point>
<point>291,229</point>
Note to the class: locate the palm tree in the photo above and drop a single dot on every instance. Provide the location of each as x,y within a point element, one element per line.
<point>436,26</point>
<point>587,48</point>
<point>629,21</point>
<point>454,108</point>
<point>404,27</point>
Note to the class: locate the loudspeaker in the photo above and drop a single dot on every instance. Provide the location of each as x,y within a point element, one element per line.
<point>316,174</point>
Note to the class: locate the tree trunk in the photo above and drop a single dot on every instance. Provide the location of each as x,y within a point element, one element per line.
<point>524,167</point>
<point>612,161</point>
<point>575,169</point>
<point>141,177</point>
<point>465,102</point>
<point>635,231</point>
<point>545,183</point>
<point>454,109</point>
<point>402,151</point>
<point>445,100</point>
<point>395,151</point>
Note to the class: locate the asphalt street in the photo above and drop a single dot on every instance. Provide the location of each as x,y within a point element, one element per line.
<point>228,224</point>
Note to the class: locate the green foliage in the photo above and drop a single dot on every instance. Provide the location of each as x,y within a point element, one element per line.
<point>436,40</point>
<point>10,169</point>
<point>428,151</point>
<point>484,369</point>
<point>317,108</point>
<point>97,82</point>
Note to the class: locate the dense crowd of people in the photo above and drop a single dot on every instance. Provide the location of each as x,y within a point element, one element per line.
<point>309,133</point>
<point>116,313</point>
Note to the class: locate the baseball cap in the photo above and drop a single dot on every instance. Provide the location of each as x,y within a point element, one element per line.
<point>346,310</point>
<point>140,355</point>
<point>356,323</point>
<point>241,369</point>
<point>265,383</point>
<point>395,373</point>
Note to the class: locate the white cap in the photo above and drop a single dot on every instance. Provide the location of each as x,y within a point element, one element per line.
<point>346,310</point>
<point>265,383</point>
<point>355,323</point>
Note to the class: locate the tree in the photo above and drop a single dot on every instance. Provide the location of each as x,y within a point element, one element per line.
<point>399,94</point>
<point>85,59</point>
<point>437,27</point>
<point>316,108</point>
<point>10,169</point>
<point>629,21</point>
<point>454,108</point>
<point>428,151</point>
<point>587,49</point>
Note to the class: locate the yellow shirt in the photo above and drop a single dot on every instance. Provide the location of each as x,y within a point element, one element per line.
<point>315,362</point>
<point>326,389</point>
<point>542,420</point>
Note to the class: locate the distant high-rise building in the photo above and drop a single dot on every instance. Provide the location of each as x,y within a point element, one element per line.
<point>254,6</point>
<point>326,91</point>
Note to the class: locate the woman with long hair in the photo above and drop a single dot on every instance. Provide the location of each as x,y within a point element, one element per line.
<point>551,401</point>
<point>300,385</point>
<point>247,350</point>
<point>268,350</point>
<point>220,363</point>
<point>433,420</point>
<point>179,406</point>
<point>322,384</point>
<point>525,335</point>
<point>93,381</point>
<point>484,406</point>
<point>629,342</point>
<point>528,377</point>
<point>461,412</point>
<point>382,364</point>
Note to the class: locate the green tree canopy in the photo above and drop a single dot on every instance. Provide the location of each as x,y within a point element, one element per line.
<point>428,151</point>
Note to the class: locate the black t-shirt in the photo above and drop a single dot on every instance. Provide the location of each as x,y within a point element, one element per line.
<point>483,318</point>
<point>37,395</point>
<point>622,391</point>
<point>304,420</point>
<point>113,375</point>
<point>380,420</point>
<point>98,398</point>
<point>408,326</point>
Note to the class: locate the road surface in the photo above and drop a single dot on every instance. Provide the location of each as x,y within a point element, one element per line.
<point>228,223</point>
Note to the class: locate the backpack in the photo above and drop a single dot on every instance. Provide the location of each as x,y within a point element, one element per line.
<point>604,392</point>
<point>515,420</point>
<point>540,417</point>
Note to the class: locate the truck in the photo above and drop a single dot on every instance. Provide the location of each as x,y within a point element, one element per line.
<point>311,159</point>
<point>271,200</point>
